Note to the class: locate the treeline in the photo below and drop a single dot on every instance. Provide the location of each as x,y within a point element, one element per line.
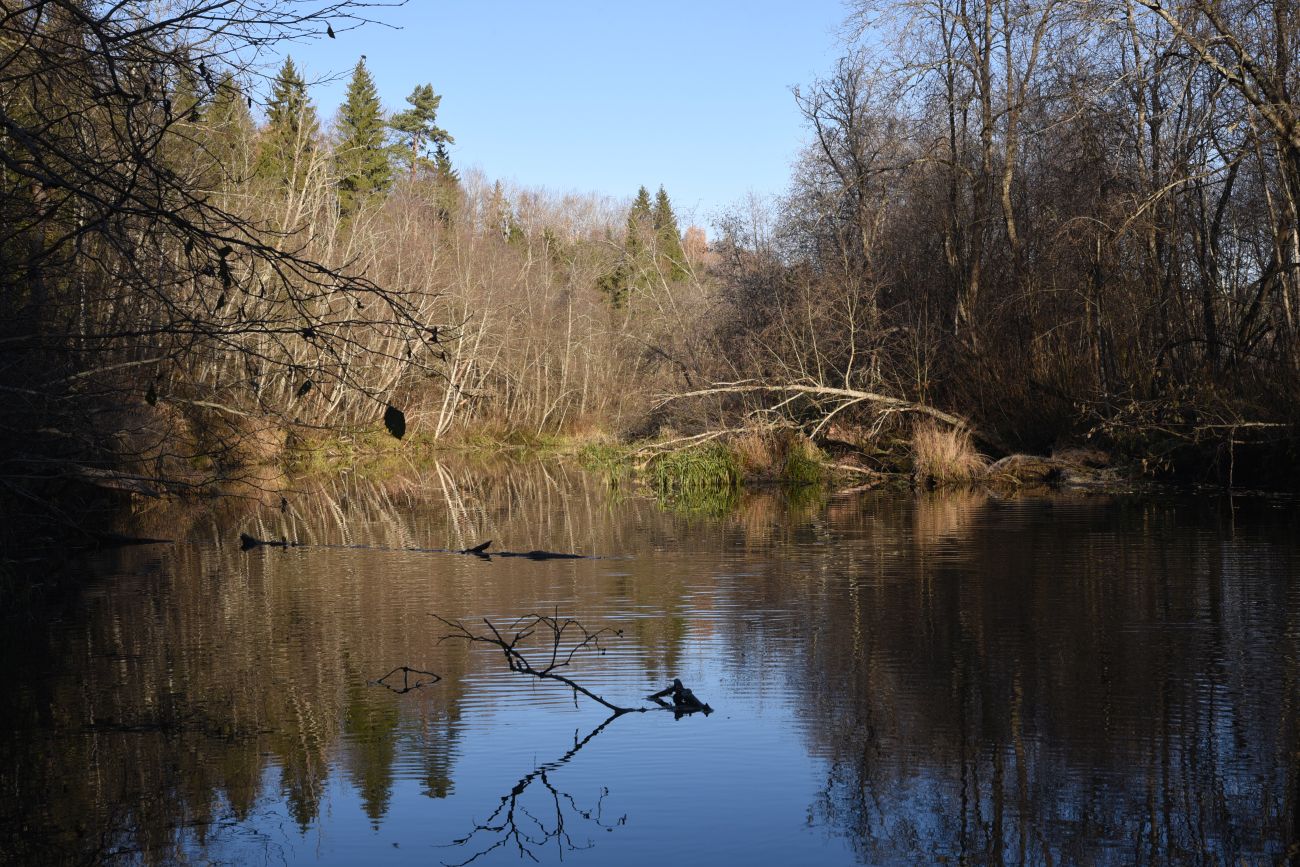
<point>198,275</point>
<point>1058,219</point>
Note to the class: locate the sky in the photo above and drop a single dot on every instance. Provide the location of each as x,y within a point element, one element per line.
<point>602,97</point>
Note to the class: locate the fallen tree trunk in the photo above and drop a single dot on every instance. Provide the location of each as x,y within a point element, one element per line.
<point>845,397</point>
<point>248,543</point>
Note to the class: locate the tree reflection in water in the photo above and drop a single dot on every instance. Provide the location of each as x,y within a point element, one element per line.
<point>529,829</point>
<point>1010,687</point>
<point>1098,680</point>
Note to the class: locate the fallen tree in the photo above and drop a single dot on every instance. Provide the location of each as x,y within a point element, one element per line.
<point>844,397</point>
<point>248,542</point>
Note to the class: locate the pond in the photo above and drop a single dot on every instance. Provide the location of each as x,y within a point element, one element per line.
<point>894,678</point>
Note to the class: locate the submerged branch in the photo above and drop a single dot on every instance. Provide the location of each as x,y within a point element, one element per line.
<point>559,642</point>
<point>562,641</point>
<point>406,686</point>
<point>248,542</point>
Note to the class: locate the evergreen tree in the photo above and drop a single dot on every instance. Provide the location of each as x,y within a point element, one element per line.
<point>668,241</point>
<point>182,114</point>
<point>417,128</point>
<point>289,140</point>
<point>442,164</point>
<point>184,103</point>
<point>652,249</point>
<point>640,223</point>
<point>630,270</point>
<point>639,244</point>
<point>227,131</point>
<point>361,160</point>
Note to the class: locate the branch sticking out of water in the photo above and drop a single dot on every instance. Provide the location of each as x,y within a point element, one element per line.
<point>560,642</point>
<point>684,701</point>
<point>406,686</point>
<point>248,542</point>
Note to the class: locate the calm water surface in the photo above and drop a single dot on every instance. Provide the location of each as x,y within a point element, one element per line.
<point>896,679</point>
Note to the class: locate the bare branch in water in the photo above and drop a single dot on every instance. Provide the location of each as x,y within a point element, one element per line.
<point>560,640</point>
<point>406,686</point>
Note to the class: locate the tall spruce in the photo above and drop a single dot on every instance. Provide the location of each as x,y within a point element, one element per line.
<point>227,135</point>
<point>632,268</point>
<point>639,243</point>
<point>668,240</point>
<point>289,140</point>
<point>360,158</point>
<point>417,127</point>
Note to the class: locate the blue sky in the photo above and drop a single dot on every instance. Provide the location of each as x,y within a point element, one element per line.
<point>603,97</point>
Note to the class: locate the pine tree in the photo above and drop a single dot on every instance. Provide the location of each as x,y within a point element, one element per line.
<point>360,158</point>
<point>416,126</point>
<point>668,241</point>
<point>228,132</point>
<point>289,140</point>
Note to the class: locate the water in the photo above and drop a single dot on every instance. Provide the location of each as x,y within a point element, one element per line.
<point>896,679</point>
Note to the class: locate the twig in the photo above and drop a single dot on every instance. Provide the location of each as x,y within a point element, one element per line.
<point>407,686</point>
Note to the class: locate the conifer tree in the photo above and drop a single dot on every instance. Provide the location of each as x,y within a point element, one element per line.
<point>361,160</point>
<point>442,164</point>
<point>640,222</point>
<point>182,113</point>
<point>668,241</point>
<point>639,245</point>
<point>185,103</point>
<point>417,128</point>
<point>227,132</point>
<point>289,140</point>
<point>630,270</point>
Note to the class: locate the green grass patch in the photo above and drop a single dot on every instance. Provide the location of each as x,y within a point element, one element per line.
<point>712,466</point>
<point>702,502</point>
<point>611,459</point>
<point>804,464</point>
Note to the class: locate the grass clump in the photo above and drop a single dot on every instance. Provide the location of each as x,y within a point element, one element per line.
<point>945,456</point>
<point>611,459</point>
<point>804,464</point>
<point>688,471</point>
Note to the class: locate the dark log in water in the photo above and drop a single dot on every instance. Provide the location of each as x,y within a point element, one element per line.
<point>248,542</point>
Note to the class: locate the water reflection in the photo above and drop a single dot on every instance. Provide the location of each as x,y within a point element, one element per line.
<point>1014,687</point>
<point>949,677</point>
<point>517,824</point>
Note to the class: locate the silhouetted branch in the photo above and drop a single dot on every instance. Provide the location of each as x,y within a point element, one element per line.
<point>564,639</point>
<point>561,641</point>
<point>406,686</point>
<point>248,542</point>
<point>535,833</point>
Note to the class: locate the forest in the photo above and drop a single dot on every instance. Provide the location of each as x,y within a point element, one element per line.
<point>1027,226</point>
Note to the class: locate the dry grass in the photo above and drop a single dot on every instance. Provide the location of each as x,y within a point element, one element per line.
<point>758,452</point>
<point>945,456</point>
